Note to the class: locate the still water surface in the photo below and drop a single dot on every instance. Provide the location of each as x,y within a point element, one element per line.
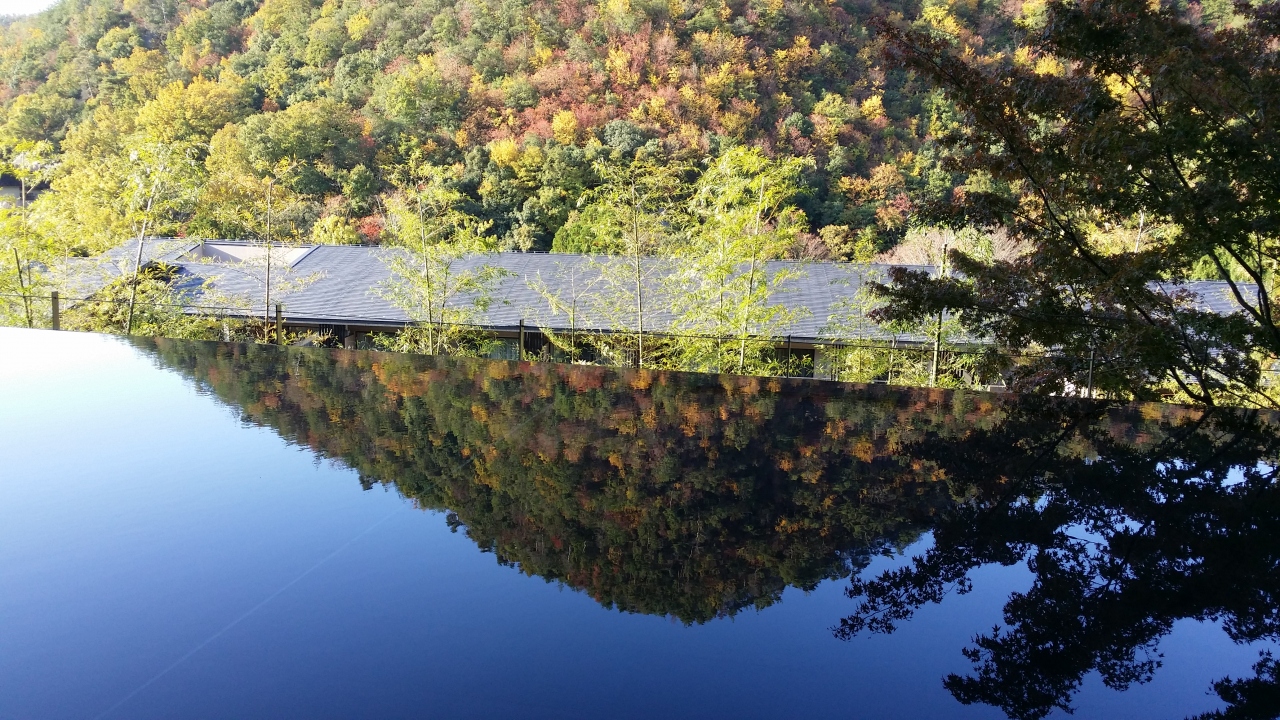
<point>201,530</point>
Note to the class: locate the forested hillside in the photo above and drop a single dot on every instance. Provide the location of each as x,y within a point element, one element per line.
<point>203,109</point>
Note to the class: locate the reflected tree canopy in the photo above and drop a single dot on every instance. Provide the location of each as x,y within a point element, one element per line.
<point>697,496</point>
<point>1130,519</point>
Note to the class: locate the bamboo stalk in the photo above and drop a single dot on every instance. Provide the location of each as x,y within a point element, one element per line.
<point>26,301</point>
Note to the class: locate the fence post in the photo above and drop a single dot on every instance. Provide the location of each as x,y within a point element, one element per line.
<point>520,353</point>
<point>1090,372</point>
<point>889,377</point>
<point>937,346</point>
<point>279,324</point>
<point>937,335</point>
<point>57,320</point>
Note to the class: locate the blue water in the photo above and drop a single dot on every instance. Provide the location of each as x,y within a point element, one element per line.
<point>160,558</point>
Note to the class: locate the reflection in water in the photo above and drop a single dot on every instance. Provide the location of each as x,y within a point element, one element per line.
<point>1130,519</point>
<point>696,496</point>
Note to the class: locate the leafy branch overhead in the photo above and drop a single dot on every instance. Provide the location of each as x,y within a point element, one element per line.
<point>1127,148</point>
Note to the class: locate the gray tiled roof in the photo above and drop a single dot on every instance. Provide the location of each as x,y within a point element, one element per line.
<point>84,276</point>
<point>349,282</point>
<point>1213,295</point>
<point>347,285</point>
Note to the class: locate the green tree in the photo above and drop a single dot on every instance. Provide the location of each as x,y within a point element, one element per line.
<point>20,243</point>
<point>744,216</point>
<point>317,138</point>
<point>635,214</point>
<point>570,295</point>
<point>437,276</point>
<point>161,186</point>
<point>1116,114</point>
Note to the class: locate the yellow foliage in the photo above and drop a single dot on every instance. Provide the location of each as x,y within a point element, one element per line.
<point>275,15</point>
<point>727,79</point>
<point>1119,87</point>
<point>873,107</point>
<point>1032,14</point>
<point>884,179</point>
<point>617,9</point>
<point>835,107</point>
<point>504,152</point>
<point>358,25</point>
<point>654,110</point>
<point>542,56</point>
<point>939,18</point>
<point>737,122</point>
<point>334,230</point>
<point>690,135</point>
<point>619,66</point>
<point>564,127</point>
<point>1050,65</point>
<point>191,113</point>
<point>717,47</point>
<point>529,163</point>
<point>146,72</point>
<point>791,61</point>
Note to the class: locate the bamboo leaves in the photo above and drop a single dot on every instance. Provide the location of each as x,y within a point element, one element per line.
<point>439,277</point>
<point>742,216</point>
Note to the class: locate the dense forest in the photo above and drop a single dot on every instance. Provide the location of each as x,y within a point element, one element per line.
<point>334,103</point>
<point>1074,162</point>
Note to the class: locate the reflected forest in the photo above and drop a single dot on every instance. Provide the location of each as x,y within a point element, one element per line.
<point>697,497</point>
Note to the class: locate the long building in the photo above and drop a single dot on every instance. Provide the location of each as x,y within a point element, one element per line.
<point>344,290</point>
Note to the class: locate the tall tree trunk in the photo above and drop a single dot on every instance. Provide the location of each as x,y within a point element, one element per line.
<point>751,280</point>
<point>746,317</point>
<point>26,302</point>
<point>137,266</point>
<point>266,297</point>
<point>635,238</point>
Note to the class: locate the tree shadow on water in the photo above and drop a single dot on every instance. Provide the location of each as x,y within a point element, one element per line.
<point>1129,518</point>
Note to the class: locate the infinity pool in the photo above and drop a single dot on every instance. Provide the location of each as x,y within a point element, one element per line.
<point>201,530</point>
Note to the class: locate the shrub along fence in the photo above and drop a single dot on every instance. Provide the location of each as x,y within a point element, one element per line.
<point>843,359</point>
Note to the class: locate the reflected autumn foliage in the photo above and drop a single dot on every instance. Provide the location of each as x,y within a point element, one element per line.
<point>697,496</point>
<point>693,496</point>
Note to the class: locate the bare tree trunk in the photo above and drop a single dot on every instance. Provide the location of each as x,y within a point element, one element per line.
<point>17,264</point>
<point>25,300</point>
<point>266,290</point>
<point>573,328</point>
<point>937,336</point>
<point>720,334</point>
<point>137,266</point>
<point>751,285</point>
<point>639,316</point>
<point>266,312</point>
<point>426,277</point>
<point>635,231</point>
